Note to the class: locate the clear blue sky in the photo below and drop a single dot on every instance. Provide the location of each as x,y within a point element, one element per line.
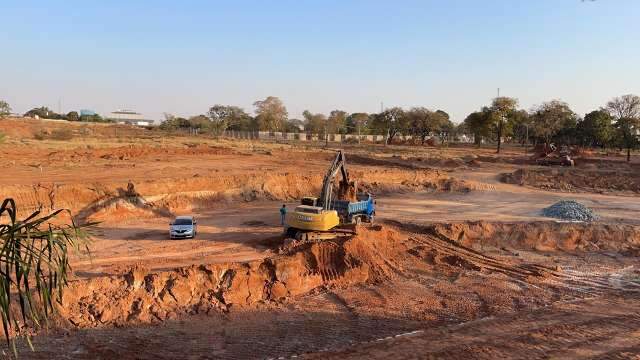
<point>184,56</point>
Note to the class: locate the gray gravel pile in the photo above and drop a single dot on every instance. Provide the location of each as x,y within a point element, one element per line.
<point>569,210</point>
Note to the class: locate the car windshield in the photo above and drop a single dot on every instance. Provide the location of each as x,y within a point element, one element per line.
<point>182,222</point>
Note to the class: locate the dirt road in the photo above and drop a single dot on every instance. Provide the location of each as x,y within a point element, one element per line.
<point>504,203</point>
<point>236,232</point>
<point>607,326</point>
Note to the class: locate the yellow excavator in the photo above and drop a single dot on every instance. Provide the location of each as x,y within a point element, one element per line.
<point>331,215</point>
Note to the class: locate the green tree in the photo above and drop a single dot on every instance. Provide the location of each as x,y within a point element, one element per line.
<point>478,124</point>
<point>172,122</point>
<point>521,126</point>
<point>447,128</point>
<point>5,109</point>
<point>502,110</point>
<point>424,122</point>
<point>72,116</point>
<point>391,122</point>
<point>271,113</point>
<point>314,123</point>
<point>294,126</point>
<point>42,112</point>
<point>223,117</point>
<point>626,134</point>
<point>241,121</point>
<point>444,114</point>
<point>550,118</point>
<point>596,129</point>
<point>626,111</point>
<point>357,123</point>
<point>337,122</point>
<point>201,122</point>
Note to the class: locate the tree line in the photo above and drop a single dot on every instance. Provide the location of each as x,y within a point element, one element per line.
<point>44,112</point>
<point>614,125</point>
<point>271,115</point>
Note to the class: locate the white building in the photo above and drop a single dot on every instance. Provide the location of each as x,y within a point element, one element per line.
<point>129,117</point>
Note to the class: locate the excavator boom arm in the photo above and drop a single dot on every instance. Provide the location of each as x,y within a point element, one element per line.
<point>327,188</point>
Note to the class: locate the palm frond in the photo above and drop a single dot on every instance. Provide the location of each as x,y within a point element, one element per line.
<point>34,264</point>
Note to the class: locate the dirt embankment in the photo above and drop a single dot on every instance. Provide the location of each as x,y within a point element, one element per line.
<point>544,235</point>
<point>576,180</point>
<point>378,257</point>
<point>108,201</point>
<point>136,152</point>
<point>140,296</point>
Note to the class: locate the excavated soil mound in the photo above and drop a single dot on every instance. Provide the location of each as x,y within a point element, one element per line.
<point>140,296</point>
<point>120,209</point>
<point>576,180</point>
<point>544,236</point>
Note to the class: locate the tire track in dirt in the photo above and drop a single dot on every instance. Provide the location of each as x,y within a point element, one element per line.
<point>604,327</point>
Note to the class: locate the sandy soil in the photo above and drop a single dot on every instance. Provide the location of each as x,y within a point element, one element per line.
<point>460,256</point>
<point>603,327</point>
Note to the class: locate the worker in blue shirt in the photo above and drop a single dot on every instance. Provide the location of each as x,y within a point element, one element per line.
<point>283,212</point>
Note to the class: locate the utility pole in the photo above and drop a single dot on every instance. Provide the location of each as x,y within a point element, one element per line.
<point>526,141</point>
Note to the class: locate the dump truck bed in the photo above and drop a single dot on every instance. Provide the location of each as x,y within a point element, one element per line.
<point>364,205</point>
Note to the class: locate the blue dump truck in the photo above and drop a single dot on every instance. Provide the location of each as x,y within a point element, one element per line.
<point>355,212</point>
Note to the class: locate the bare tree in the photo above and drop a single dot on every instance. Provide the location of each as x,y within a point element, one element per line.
<point>625,107</point>
<point>271,113</point>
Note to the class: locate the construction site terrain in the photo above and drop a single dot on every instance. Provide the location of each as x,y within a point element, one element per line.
<point>460,262</point>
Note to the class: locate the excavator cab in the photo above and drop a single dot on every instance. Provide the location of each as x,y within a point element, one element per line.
<point>309,201</point>
<point>312,218</point>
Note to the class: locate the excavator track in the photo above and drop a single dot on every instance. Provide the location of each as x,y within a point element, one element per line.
<point>323,235</point>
